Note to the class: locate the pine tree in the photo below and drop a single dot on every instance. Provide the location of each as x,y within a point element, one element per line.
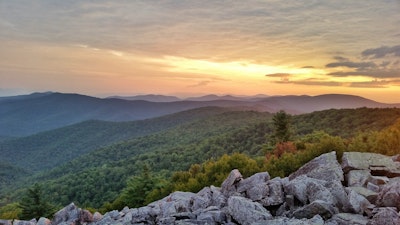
<point>281,121</point>
<point>34,204</point>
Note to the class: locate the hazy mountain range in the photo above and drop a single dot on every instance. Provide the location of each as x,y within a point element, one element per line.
<point>28,114</point>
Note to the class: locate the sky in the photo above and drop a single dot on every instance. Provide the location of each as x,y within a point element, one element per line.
<point>191,47</point>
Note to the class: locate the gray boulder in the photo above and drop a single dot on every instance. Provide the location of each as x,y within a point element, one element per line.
<point>389,196</point>
<point>24,222</point>
<point>69,214</point>
<point>325,167</point>
<point>247,212</point>
<point>317,207</point>
<point>5,222</point>
<point>346,219</point>
<point>316,220</point>
<point>256,179</point>
<point>202,200</point>
<point>387,216</point>
<point>357,203</point>
<point>176,202</point>
<point>229,186</point>
<point>371,196</point>
<point>275,195</point>
<point>357,178</point>
<point>307,189</point>
<point>368,161</point>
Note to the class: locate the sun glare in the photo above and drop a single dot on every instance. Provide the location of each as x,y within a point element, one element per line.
<point>234,68</point>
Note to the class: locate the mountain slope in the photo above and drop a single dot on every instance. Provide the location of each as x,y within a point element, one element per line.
<point>48,149</point>
<point>149,98</point>
<point>22,116</point>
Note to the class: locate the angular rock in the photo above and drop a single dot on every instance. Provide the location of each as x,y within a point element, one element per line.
<point>218,199</point>
<point>202,200</point>
<point>97,216</point>
<point>357,178</point>
<point>275,195</point>
<point>378,180</point>
<point>316,220</point>
<point>24,222</point>
<point>357,203</point>
<point>373,187</point>
<point>139,215</point>
<point>228,187</point>
<point>389,196</point>
<point>317,207</point>
<point>257,192</point>
<point>256,179</point>
<point>174,203</point>
<point>43,221</point>
<point>387,216</point>
<point>5,222</point>
<point>347,218</point>
<point>307,189</point>
<point>367,161</point>
<point>325,167</point>
<point>69,214</point>
<point>371,196</point>
<point>247,212</point>
<point>212,215</point>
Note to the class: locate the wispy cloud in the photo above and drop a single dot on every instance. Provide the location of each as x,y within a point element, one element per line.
<point>382,52</point>
<point>349,64</point>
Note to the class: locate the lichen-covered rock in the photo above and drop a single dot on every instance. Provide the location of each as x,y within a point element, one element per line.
<point>325,167</point>
<point>371,196</point>
<point>69,214</point>
<point>307,189</point>
<point>387,216</point>
<point>357,178</point>
<point>23,222</point>
<point>364,161</point>
<point>389,196</point>
<point>346,219</point>
<point>275,195</point>
<point>357,203</point>
<point>256,179</point>
<point>247,212</point>
<point>229,187</point>
<point>316,220</point>
<point>5,222</point>
<point>317,207</point>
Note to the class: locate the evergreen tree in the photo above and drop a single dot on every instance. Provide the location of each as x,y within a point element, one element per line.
<point>281,122</point>
<point>34,204</point>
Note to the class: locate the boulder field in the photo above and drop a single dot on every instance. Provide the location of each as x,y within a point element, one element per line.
<point>364,190</point>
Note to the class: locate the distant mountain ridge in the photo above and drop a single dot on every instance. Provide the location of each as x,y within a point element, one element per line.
<point>29,114</point>
<point>150,98</point>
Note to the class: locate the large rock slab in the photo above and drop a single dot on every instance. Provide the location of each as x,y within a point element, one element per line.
<point>324,167</point>
<point>247,212</point>
<point>378,164</point>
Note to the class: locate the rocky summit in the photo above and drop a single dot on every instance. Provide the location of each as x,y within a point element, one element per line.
<point>364,190</point>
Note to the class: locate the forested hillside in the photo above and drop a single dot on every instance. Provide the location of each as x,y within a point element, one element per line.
<point>49,149</point>
<point>217,142</point>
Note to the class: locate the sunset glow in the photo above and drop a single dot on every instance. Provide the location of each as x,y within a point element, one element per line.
<point>186,48</point>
